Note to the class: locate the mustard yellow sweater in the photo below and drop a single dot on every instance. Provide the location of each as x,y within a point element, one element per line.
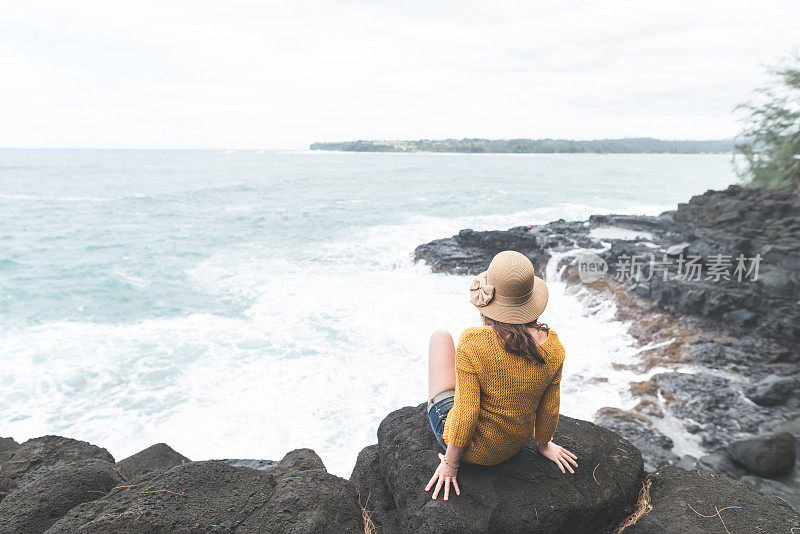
<point>502,399</point>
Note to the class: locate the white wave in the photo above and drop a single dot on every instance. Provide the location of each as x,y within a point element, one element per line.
<point>614,232</point>
<point>136,281</point>
<point>327,347</point>
<point>331,334</point>
<point>56,199</point>
<point>20,197</point>
<point>241,208</point>
<point>360,311</point>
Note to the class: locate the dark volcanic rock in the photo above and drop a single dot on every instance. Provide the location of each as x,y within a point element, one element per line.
<point>721,462</point>
<point>314,502</point>
<point>470,251</point>
<point>372,491</point>
<point>661,226</point>
<point>718,462</point>
<point>7,448</point>
<point>733,222</point>
<point>300,460</point>
<point>158,457</point>
<point>699,502</point>
<point>749,355</point>
<point>656,448</point>
<point>527,493</point>
<point>738,221</point>
<point>791,426</point>
<point>776,390</point>
<point>296,496</point>
<point>39,456</point>
<point>786,488</point>
<point>718,407</point>
<point>34,508</point>
<point>770,455</point>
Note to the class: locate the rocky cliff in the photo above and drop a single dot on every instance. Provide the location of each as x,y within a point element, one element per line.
<point>64,486</point>
<point>712,231</point>
<point>608,493</point>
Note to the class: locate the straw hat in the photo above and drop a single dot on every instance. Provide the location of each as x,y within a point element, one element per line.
<point>509,291</point>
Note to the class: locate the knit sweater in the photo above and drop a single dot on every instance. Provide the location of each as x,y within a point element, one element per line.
<point>502,399</point>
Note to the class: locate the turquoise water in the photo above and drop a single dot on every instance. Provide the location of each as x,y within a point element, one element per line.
<point>241,304</point>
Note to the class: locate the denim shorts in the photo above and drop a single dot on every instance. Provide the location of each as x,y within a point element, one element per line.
<point>438,408</point>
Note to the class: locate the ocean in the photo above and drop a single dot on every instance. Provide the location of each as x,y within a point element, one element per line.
<point>241,304</point>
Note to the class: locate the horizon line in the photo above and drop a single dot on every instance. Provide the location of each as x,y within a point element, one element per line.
<point>308,145</point>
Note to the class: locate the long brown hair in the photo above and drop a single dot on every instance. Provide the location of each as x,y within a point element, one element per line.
<point>517,338</point>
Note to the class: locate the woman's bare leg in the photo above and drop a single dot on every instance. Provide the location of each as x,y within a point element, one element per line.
<point>441,363</point>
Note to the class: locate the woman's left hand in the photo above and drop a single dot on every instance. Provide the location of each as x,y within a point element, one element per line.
<point>444,475</point>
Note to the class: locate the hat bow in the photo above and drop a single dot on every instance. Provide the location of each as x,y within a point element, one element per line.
<point>482,291</point>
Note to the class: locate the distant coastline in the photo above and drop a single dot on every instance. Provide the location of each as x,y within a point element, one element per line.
<point>632,145</point>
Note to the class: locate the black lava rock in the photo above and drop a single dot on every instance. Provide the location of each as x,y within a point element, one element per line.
<point>158,457</point>
<point>775,391</point>
<point>35,507</point>
<point>37,457</point>
<point>7,448</point>
<point>295,496</point>
<point>746,222</point>
<point>656,448</point>
<point>527,493</point>
<point>713,401</point>
<point>700,502</point>
<point>769,455</point>
<point>373,493</point>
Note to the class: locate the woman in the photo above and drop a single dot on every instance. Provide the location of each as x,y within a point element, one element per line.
<point>501,386</point>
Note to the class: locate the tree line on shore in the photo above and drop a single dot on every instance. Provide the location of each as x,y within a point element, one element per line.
<point>523,146</point>
<point>767,152</point>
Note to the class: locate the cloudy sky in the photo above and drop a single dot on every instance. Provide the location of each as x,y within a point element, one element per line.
<point>239,74</point>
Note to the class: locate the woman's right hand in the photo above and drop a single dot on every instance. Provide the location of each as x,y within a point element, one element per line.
<point>561,456</point>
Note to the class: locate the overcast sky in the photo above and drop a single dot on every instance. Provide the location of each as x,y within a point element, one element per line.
<point>238,74</point>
